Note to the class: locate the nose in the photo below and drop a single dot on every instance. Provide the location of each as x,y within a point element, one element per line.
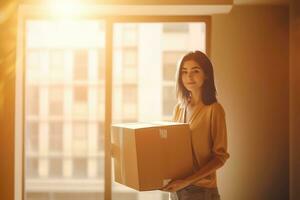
<point>190,74</point>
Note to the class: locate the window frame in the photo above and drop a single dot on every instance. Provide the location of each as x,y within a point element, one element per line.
<point>28,14</point>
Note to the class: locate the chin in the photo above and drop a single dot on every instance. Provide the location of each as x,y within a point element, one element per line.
<point>192,88</point>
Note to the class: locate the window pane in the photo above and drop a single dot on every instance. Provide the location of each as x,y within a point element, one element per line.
<point>130,36</point>
<point>129,94</point>
<point>170,64</point>
<point>80,100</point>
<point>80,94</point>
<point>56,65</point>
<point>69,69</point>
<point>55,100</point>
<point>80,168</point>
<point>33,136</point>
<point>77,196</point>
<point>32,100</point>
<point>100,168</point>
<point>101,64</point>
<point>100,133</point>
<point>80,65</point>
<point>130,57</point>
<point>168,100</point>
<point>79,138</point>
<point>65,65</point>
<point>55,167</point>
<point>32,167</point>
<point>34,65</point>
<point>37,196</point>
<point>55,137</point>
<point>176,27</point>
<point>33,61</point>
<point>144,76</point>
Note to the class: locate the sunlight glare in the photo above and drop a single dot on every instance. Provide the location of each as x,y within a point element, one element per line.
<point>66,8</point>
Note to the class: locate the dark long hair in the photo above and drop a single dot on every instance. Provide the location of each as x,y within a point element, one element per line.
<point>208,88</point>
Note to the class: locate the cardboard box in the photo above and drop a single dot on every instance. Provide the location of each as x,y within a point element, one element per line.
<point>148,155</point>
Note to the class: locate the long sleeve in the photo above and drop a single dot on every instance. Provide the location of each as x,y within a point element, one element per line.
<point>219,133</point>
<point>209,142</point>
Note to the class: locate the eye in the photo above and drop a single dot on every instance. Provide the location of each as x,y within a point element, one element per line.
<point>184,72</point>
<point>196,71</point>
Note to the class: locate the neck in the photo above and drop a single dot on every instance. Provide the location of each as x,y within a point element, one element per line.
<point>196,98</point>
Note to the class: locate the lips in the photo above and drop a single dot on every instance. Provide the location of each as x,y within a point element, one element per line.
<point>191,83</point>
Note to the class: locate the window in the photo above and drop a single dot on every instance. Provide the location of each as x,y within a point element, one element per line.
<point>65,71</point>
<point>55,137</point>
<point>34,65</point>
<point>100,133</point>
<point>101,64</point>
<point>100,168</point>
<point>55,100</point>
<point>80,100</point>
<point>55,170</point>
<point>34,61</point>
<point>129,57</point>
<point>80,65</point>
<point>168,100</point>
<point>80,94</point>
<point>129,94</point>
<point>80,167</point>
<point>130,34</point>
<point>38,196</point>
<point>56,65</point>
<point>33,136</point>
<point>32,100</point>
<point>79,138</point>
<point>176,27</point>
<point>170,64</point>
<point>32,167</point>
<point>144,76</point>
<point>65,97</point>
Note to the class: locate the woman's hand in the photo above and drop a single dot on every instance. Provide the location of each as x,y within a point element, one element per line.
<point>175,185</point>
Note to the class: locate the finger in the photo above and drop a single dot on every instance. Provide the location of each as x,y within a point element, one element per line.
<point>168,185</point>
<point>168,188</point>
<point>165,187</point>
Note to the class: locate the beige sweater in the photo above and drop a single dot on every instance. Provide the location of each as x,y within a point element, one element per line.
<point>209,137</point>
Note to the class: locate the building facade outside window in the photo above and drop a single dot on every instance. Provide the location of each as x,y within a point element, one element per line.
<point>65,98</point>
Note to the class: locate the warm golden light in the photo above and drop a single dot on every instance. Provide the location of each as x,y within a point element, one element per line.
<point>69,33</point>
<point>66,8</point>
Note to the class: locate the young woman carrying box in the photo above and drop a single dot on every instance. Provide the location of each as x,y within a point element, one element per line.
<point>198,106</point>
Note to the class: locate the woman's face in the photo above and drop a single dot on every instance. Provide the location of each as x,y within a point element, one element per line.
<point>192,75</point>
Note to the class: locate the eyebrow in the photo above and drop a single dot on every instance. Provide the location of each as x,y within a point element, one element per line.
<point>196,67</point>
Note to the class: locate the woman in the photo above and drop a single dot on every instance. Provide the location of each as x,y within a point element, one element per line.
<point>199,107</point>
